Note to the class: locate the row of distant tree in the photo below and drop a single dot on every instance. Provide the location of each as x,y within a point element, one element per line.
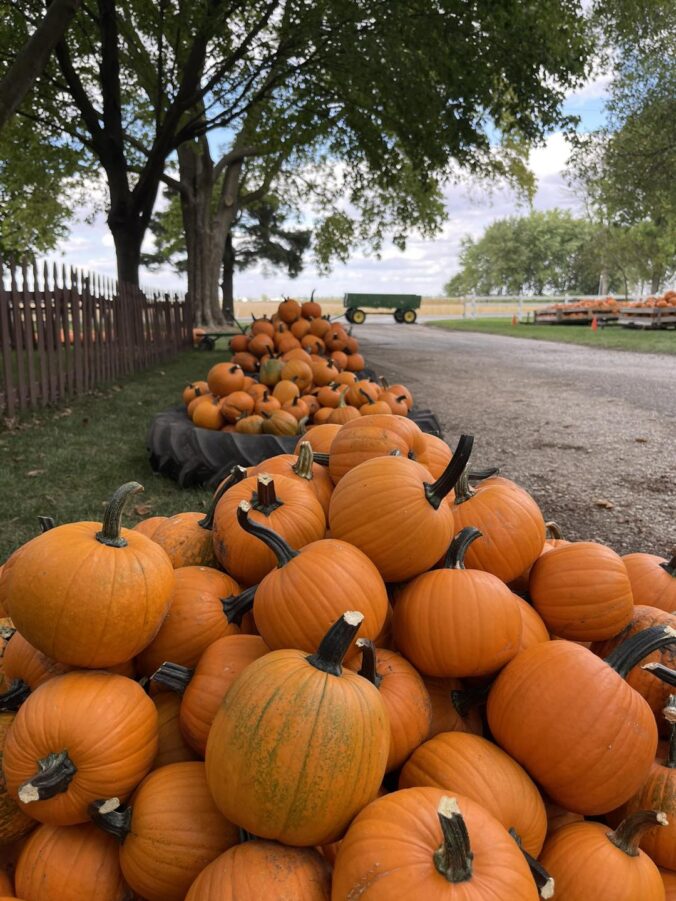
<point>242,120</point>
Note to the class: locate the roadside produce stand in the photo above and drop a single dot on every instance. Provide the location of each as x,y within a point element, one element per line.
<point>579,313</point>
<point>653,313</point>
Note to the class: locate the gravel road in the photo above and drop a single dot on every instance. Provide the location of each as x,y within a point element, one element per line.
<point>590,433</point>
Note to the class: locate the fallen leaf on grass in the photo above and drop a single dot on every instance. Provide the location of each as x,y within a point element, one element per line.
<point>605,504</point>
<point>142,509</point>
<point>35,472</point>
<point>641,440</point>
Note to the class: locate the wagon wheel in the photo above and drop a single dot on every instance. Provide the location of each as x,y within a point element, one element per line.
<point>409,316</point>
<point>348,314</point>
<point>398,316</point>
<point>206,343</point>
<point>358,316</point>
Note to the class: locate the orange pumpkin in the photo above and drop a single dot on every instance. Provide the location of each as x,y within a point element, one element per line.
<point>187,538</point>
<point>343,413</point>
<point>310,309</point>
<point>193,390</point>
<point>171,746</point>
<point>299,373</point>
<point>319,438</point>
<point>289,310</point>
<point>297,408</point>
<point>239,343</point>
<point>218,667</point>
<point>171,831</point>
<point>653,580</point>
<point>261,344</point>
<point>408,705</point>
<point>285,391</point>
<point>393,511</point>
<point>70,863</point>
<point>586,860</point>
<point>456,621</point>
<point>396,403</point>
<point>570,699</point>
<point>248,871</point>
<point>283,505</point>
<point>302,466</point>
<point>342,578</point>
<point>262,326</point>
<point>282,705</point>
<point>355,362</point>
<point>533,629</point>
<point>79,737</point>
<point>149,526</point>
<point>250,425</point>
<point>487,775</point>
<point>653,690</point>
<point>90,594</point>
<point>14,823</point>
<point>509,520</point>
<point>236,405</point>
<point>351,447</point>
<point>247,361</point>
<point>224,378</point>
<point>430,845</point>
<point>281,422</point>
<point>194,620</point>
<point>582,591</point>
<point>320,327</point>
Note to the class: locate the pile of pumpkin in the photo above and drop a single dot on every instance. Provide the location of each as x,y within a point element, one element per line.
<point>668,300</point>
<point>371,677</point>
<point>291,372</point>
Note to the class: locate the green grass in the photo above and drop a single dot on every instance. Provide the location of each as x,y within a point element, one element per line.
<point>65,463</point>
<point>611,337</point>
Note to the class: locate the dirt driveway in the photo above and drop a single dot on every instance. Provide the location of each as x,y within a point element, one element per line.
<point>590,433</point>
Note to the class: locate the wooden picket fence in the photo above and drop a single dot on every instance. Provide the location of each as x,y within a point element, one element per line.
<point>64,332</point>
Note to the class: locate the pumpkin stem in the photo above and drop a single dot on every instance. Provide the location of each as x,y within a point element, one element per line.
<point>235,606</point>
<point>369,662</point>
<point>455,555</point>
<point>46,523</point>
<point>670,715</point>
<point>553,530</point>
<point>666,675</point>
<point>322,459</point>
<point>112,817</point>
<point>264,498</point>
<point>333,647</point>
<point>630,831</point>
<point>279,547</point>
<point>629,653</point>
<point>236,474</point>
<point>463,699</point>
<point>110,533</point>
<point>541,877</point>
<point>478,475</point>
<point>15,695</point>
<point>453,858</point>
<point>303,465</point>
<point>173,676</point>
<point>52,778</point>
<point>670,565</point>
<point>438,490</point>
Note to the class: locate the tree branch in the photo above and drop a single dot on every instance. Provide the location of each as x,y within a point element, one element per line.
<point>33,56</point>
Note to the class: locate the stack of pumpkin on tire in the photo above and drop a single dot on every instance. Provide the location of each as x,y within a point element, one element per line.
<point>293,372</point>
<point>287,697</point>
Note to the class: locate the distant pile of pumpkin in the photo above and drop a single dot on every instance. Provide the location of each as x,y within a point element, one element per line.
<point>289,373</point>
<point>381,678</point>
<point>665,301</point>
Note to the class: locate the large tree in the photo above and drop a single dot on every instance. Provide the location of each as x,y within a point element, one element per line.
<point>544,252</point>
<point>384,94</point>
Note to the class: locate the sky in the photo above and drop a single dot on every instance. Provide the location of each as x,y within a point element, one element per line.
<point>425,265</point>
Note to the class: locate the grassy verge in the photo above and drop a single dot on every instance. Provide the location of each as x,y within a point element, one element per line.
<point>65,463</point>
<point>611,338</point>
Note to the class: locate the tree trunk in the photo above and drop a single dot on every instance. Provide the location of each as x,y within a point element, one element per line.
<point>603,282</point>
<point>32,57</point>
<point>207,221</point>
<point>227,283</point>
<point>656,280</point>
<point>128,237</point>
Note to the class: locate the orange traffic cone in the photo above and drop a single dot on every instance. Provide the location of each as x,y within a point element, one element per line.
<point>594,324</point>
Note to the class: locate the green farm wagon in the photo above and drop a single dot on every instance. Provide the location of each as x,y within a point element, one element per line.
<point>403,306</point>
